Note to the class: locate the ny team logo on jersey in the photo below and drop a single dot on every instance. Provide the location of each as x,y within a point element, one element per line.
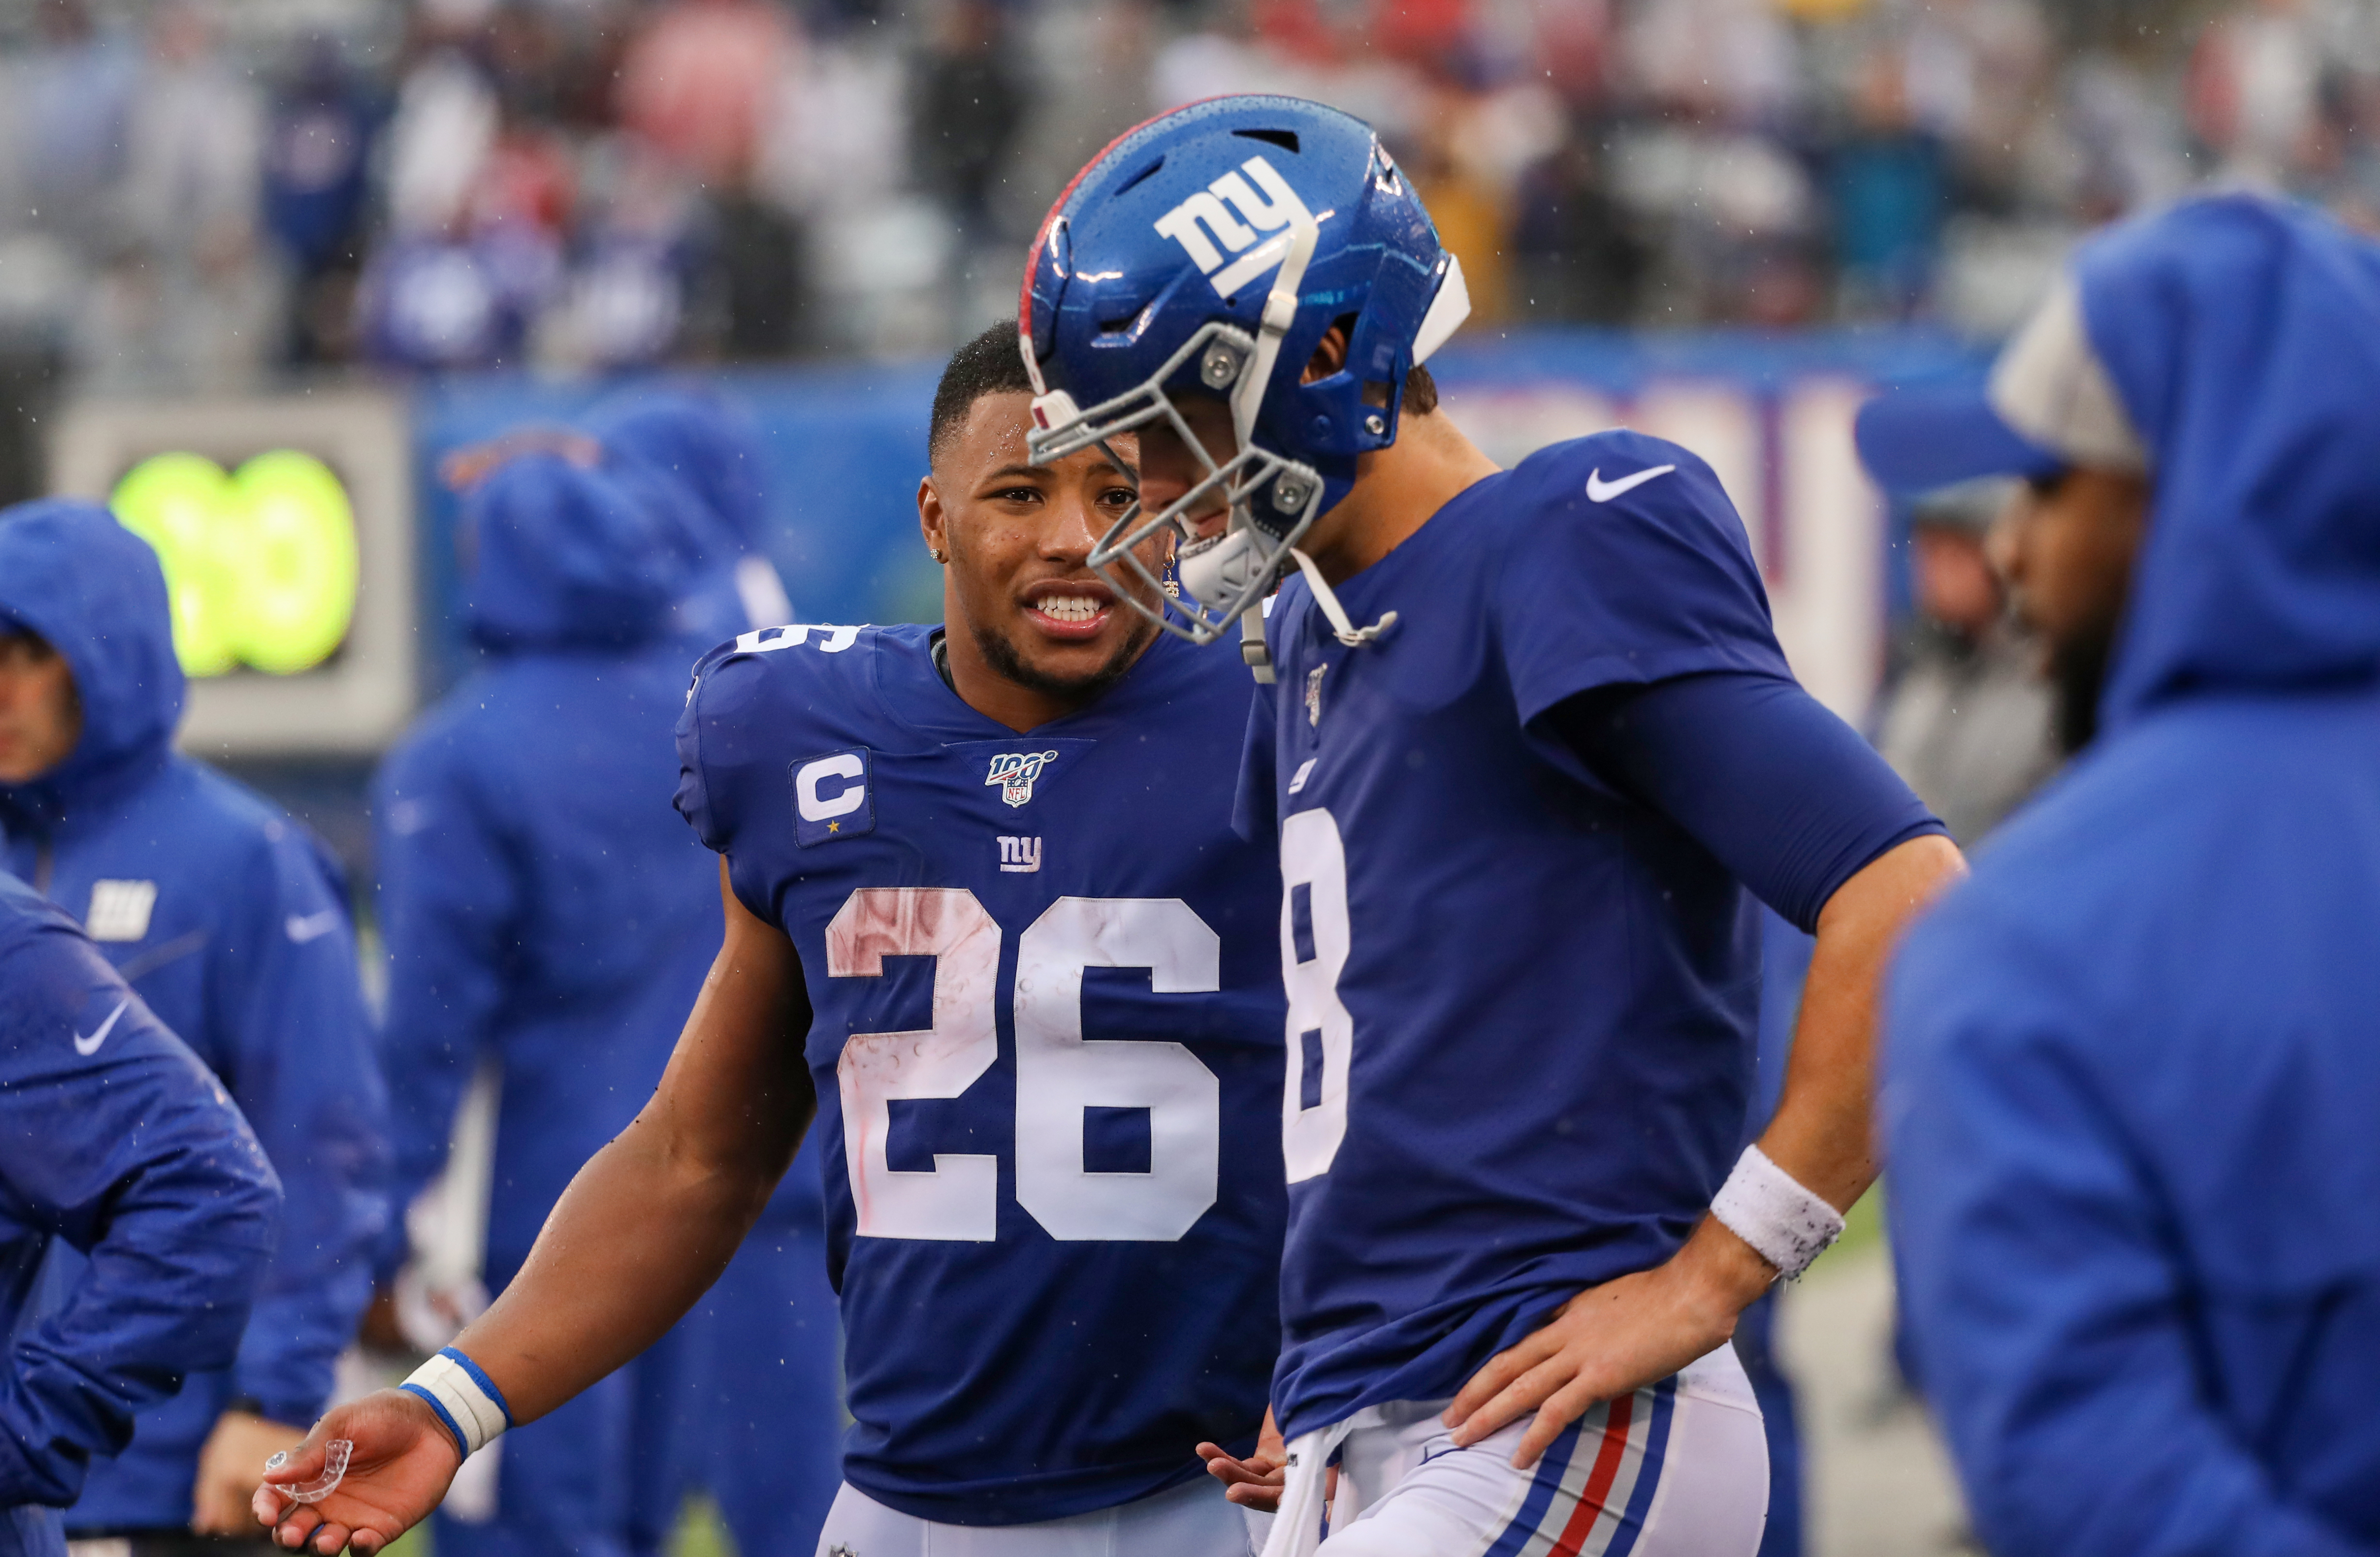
<point>119,910</point>
<point>1015,772</point>
<point>1020,856</point>
<point>1202,222</point>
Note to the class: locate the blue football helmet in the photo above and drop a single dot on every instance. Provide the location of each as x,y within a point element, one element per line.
<point>1209,252</point>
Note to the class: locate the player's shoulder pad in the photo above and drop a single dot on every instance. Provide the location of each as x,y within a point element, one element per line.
<point>803,662</point>
<point>753,694</point>
<point>1632,483</point>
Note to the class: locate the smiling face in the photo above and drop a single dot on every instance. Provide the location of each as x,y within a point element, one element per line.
<point>1033,632</point>
<point>40,718</point>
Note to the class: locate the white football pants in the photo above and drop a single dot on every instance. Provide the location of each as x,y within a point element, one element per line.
<point>1677,1469</point>
<point>1191,1520</point>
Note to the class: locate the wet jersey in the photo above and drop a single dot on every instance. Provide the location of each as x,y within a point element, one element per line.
<point>1522,1005</point>
<point>1047,1044</point>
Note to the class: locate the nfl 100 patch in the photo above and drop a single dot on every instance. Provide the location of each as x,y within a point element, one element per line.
<point>831,797</point>
<point>1016,772</point>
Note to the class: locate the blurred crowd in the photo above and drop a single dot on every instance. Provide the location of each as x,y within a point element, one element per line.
<point>198,193</point>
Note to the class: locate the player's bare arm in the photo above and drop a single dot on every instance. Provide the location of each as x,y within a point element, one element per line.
<point>643,1231</point>
<point>1612,1338</point>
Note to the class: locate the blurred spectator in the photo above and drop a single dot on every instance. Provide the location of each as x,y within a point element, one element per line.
<point>68,129</point>
<point>970,103</point>
<point>185,299</point>
<point>1887,185</point>
<point>1732,61</point>
<point>1093,64</point>
<point>598,183</point>
<point>482,189</point>
<point>446,125</point>
<point>1468,209</point>
<point>317,150</point>
<point>1576,254</point>
<point>626,300</point>
<point>426,302</point>
<point>700,81</point>
<point>2254,90</point>
<point>1966,719</point>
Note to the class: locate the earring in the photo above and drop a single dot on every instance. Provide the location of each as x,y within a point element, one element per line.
<point>938,554</point>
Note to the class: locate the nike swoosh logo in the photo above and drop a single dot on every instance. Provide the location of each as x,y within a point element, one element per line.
<point>312,926</point>
<point>88,1046</point>
<point>1600,491</point>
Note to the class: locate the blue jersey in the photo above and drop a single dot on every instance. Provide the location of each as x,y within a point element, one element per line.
<point>1047,1044</point>
<point>1522,1005</point>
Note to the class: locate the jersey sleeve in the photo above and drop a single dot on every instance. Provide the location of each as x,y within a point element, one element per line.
<point>1626,565</point>
<point>1779,790</point>
<point>694,799</point>
<point>720,755</point>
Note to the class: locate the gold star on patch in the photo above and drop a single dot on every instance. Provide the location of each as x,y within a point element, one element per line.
<point>834,827</point>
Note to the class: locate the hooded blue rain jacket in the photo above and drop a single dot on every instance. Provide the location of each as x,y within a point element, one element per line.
<point>2133,1083</point>
<point>230,921</point>
<point>541,900</point>
<point>687,449</point>
<point>544,906</point>
<point>115,1142</point>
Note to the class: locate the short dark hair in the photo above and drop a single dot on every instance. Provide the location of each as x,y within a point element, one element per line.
<point>1420,398</point>
<point>990,364</point>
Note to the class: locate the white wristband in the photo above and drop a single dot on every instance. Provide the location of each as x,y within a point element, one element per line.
<point>465,1398</point>
<point>1768,1208</point>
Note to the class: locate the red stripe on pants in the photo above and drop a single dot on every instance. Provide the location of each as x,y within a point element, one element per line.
<point>1599,1480</point>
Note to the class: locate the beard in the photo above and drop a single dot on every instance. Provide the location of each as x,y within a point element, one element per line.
<point>1009,665</point>
<point>2077,674</point>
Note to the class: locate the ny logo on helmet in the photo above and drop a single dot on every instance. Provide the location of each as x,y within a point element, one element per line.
<point>1015,772</point>
<point>1202,222</point>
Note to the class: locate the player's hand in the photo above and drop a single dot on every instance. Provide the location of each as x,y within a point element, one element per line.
<point>1254,1482</point>
<point>403,1462</point>
<point>229,1464</point>
<point>1612,1339</point>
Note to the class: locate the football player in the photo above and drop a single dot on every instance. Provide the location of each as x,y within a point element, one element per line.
<point>987,915</point>
<point>1534,754</point>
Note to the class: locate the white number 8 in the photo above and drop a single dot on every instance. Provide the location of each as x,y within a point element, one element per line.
<point>1314,859</point>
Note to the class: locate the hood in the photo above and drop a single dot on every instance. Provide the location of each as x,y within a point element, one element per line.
<point>95,591</point>
<point>555,556</point>
<point>703,448</point>
<point>2241,335</point>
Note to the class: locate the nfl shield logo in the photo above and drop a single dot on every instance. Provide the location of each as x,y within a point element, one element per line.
<point>1015,772</point>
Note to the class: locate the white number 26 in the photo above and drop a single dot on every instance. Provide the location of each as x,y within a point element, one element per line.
<point>1059,1073</point>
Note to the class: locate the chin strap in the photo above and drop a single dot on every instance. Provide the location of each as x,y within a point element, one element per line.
<point>1254,653</point>
<point>1341,627</point>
